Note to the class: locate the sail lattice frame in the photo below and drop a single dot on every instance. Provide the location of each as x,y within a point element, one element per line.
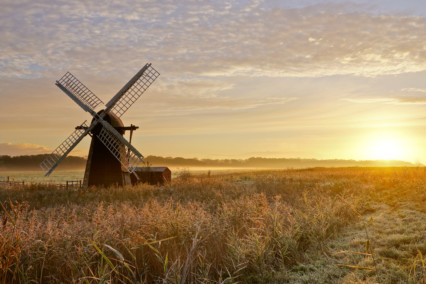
<point>79,90</point>
<point>128,159</point>
<point>135,91</point>
<point>57,155</point>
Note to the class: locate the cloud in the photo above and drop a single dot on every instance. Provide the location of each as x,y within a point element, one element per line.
<point>384,100</point>
<point>411,100</point>
<point>250,38</point>
<point>414,90</point>
<point>368,100</point>
<point>20,149</point>
<point>12,149</point>
<point>194,103</point>
<point>206,95</point>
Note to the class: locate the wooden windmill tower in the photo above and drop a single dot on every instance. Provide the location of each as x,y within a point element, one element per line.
<point>111,157</point>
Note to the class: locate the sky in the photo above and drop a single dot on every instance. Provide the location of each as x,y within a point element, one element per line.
<point>289,79</point>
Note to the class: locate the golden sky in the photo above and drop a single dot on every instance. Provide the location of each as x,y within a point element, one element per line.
<point>306,78</point>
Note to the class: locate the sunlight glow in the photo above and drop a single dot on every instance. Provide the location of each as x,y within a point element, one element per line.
<point>386,147</point>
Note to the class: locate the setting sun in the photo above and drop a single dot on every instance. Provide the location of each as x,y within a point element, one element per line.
<point>386,147</point>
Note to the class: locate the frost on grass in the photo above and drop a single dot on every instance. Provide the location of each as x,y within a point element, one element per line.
<point>301,226</point>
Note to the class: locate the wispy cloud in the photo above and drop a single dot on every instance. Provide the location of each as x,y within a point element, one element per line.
<point>19,149</point>
<point>13,149</point>
<point>368,100</point>
<point>411,100</point>
<point>397,100</point>
<point>249,37</point>
<point>203,94</point>
<point>414,90</point>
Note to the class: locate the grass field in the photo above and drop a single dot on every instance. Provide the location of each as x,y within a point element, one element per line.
<point>345,225</point>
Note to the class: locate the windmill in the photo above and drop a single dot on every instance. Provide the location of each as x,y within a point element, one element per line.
<point>111,157</point>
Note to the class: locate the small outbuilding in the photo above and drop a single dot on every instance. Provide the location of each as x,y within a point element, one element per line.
<point>152,175</point>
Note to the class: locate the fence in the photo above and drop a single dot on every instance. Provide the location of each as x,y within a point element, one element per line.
<point>11,182</point>
<point>73,184</point>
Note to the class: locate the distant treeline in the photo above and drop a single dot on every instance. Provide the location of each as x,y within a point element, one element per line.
<point>257,162</point>
<point>32,162</point>
<point>71,162</point>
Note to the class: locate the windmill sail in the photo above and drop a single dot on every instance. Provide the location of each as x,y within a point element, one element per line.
<point>129,157</point>
<point>78,92</point>
<point>53,160</point>
<point>128,95</point>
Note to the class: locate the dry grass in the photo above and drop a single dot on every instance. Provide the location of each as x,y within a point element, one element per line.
<point>304,226</point>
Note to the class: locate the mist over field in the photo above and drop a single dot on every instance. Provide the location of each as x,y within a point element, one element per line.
<point>32,163</point>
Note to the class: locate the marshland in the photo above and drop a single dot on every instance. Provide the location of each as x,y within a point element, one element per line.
<point>320,225</point>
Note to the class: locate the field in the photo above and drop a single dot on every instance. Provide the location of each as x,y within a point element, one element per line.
<point>343,225</point>
<point>61,176</point>
<point>38,176</point>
